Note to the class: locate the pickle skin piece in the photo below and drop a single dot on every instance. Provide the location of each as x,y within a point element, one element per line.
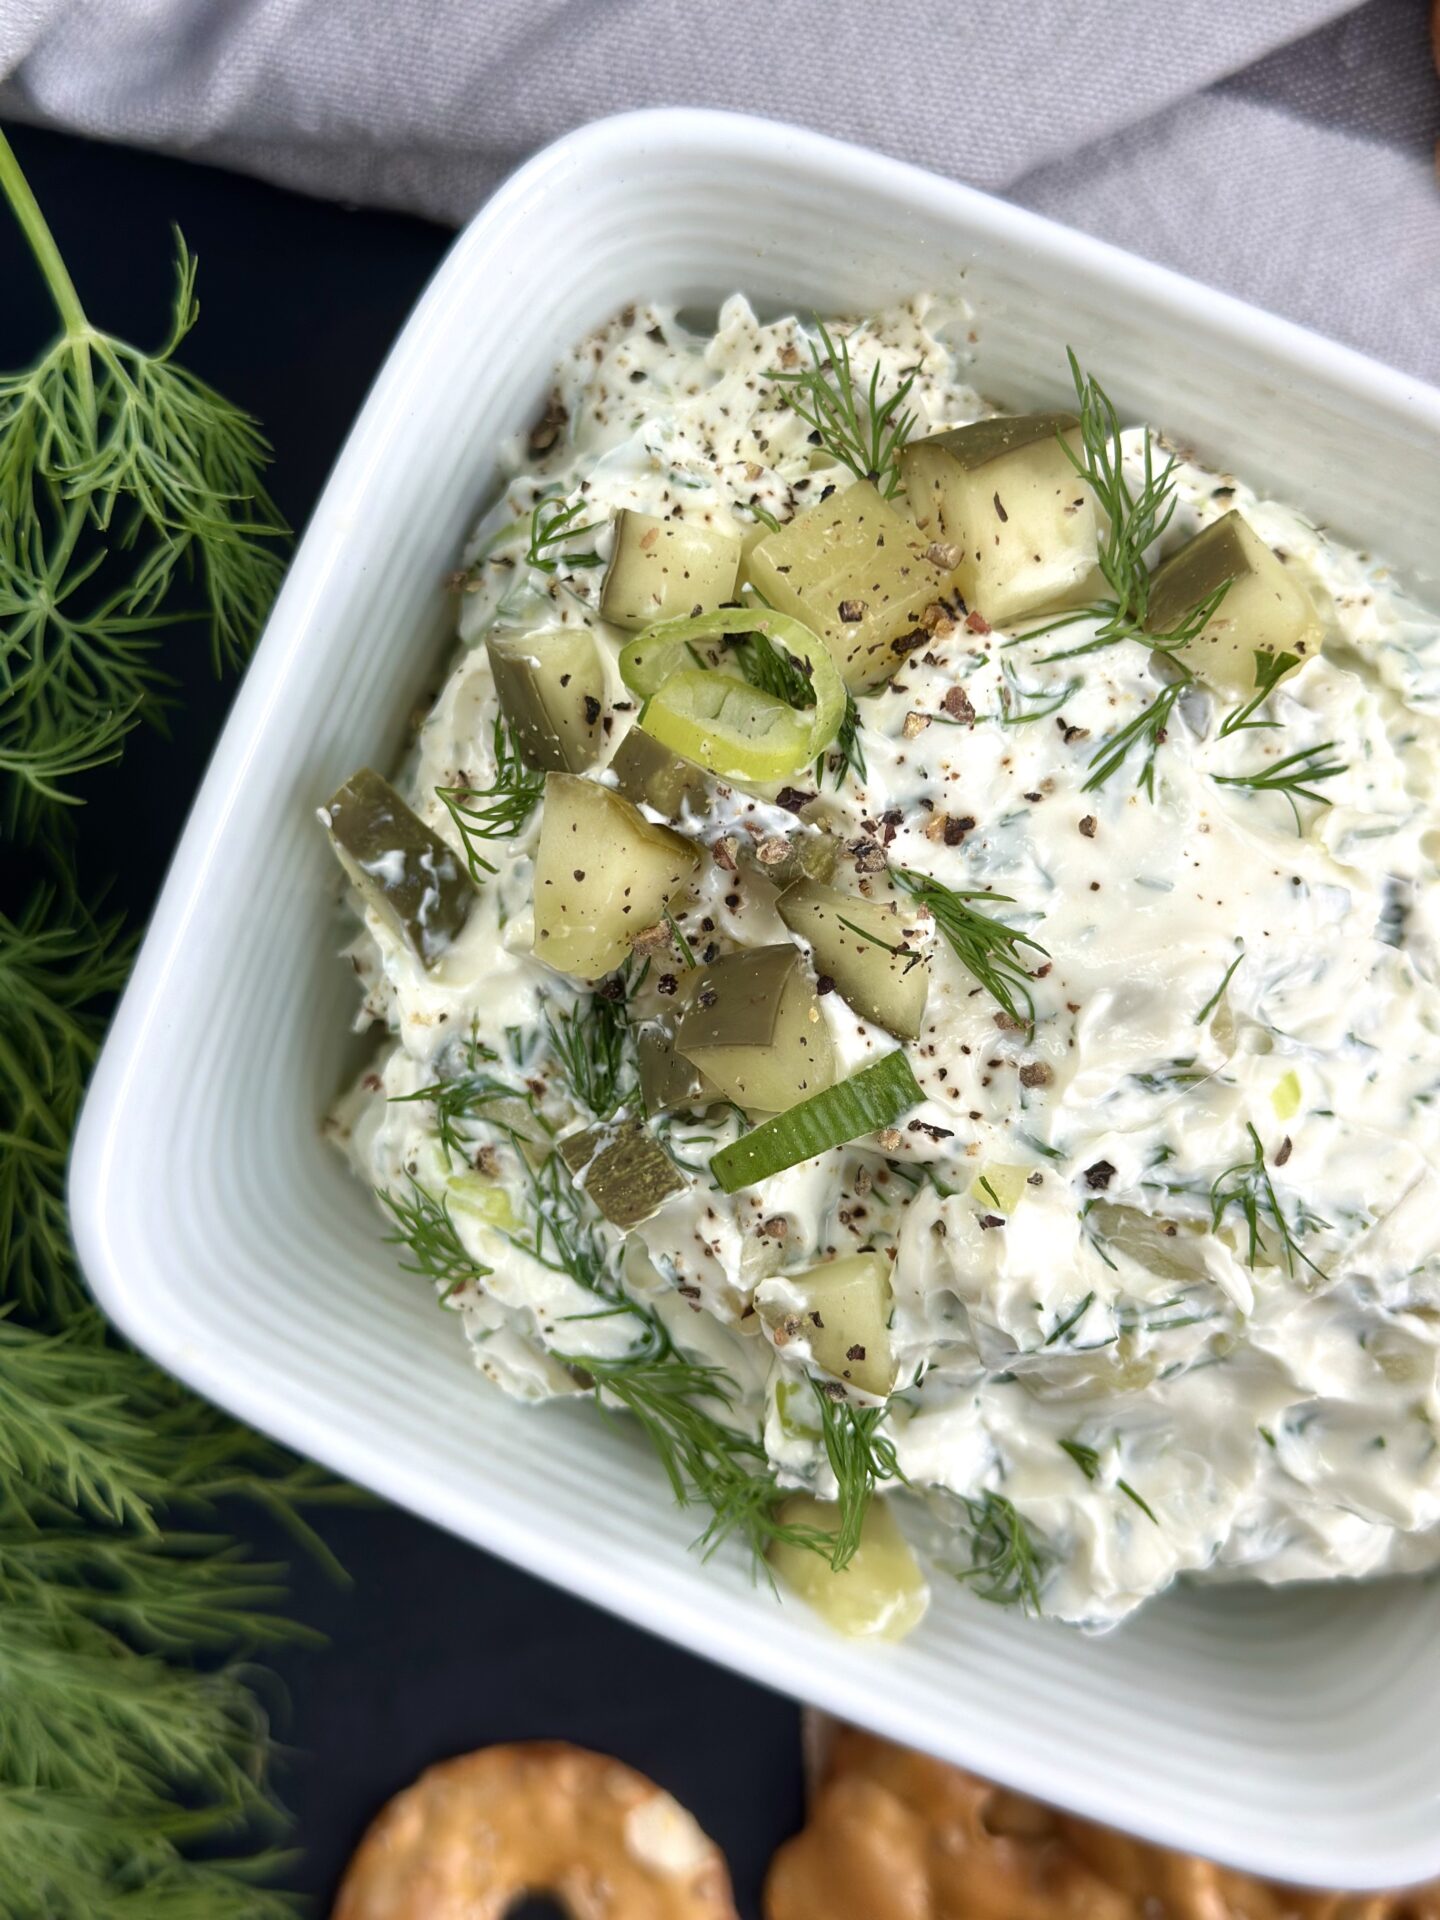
<point>603,874</point>
<point>859,575</point>
<point>652,775</point>
<point>400,869</point>
<point>1006,494</point>
<point>881,1595</point>
<point>753,1026</point>
<point>1264,608</point>
<point>666,569</point>
<point>667,1079</point>
<point>623,1168</point>
<point>551,690</point>
<point>887,988</point>
<point>843,1318</point>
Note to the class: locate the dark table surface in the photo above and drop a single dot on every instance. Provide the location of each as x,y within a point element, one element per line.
<point>435,1648</point>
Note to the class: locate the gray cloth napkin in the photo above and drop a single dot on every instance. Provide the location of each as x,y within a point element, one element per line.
<point>1282,149</point>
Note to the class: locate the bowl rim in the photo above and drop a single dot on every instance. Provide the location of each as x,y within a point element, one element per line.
<point>133,1031</point>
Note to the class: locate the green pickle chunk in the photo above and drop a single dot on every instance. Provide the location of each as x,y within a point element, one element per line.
<point>661,569</point>
<point>867,948</point>
<point>1006,496</point>
<point>859,575</point>
<point>401,869</point>
<point>624,1170</point>
<point>753,1026</point>
<point>551,689</point>
<point>1264,608</point>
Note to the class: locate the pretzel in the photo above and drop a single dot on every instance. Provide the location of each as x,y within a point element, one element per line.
<point>895,1835</point>
<point>473,1835</point>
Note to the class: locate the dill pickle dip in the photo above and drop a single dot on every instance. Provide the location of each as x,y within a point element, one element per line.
<point>905,948</point>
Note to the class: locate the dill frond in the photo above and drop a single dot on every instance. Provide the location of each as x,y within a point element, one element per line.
<point>1148,731</point>
<point>425,1228</point>
<point>860,1457</point>
<point>1294,776</point>
<point>591,1046</point>
<point>685,1409</point>
<point>984,946</point>
<point>497,812</point>
<point>1005,1563</point>
<point>1133,521</point>
<point>862,431</point>
<point>1270,670</point>
<point>1248,1188</point>
<point>550,526</point>
<point>131,498</point>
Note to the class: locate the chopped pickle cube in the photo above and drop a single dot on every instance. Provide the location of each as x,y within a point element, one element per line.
<point>841,1310</point>
<point>1005,493</point>
<point>753,1026</point>
<point>401,870</point>
<point>867,948</point>
<point>999,1186</point>
<point>664,569</point>
<point>624,1170</point>
<point>667,1079</point>
<point>603,874</point>
<point>1265,609</point>
<point>855,572</point>
<point>652,775</point>
<point>551,689</point>
<point>880,1595</point>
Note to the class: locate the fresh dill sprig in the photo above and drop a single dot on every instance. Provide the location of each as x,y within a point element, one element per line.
<point>591,1046</point>
<point>1270,670</point>
<point>499,811</point>
<point>550,526</point>
<point>1015,710</point>
<point>1132,522</point>
<point>681,1407</point>
<point>464,1098</point>
<point>1088,1461</point>
<point>1294,776</point>
<point>1248,1187</point>
<point>1148,731</point>
<point>772,670</point>
<point>860,1458</point>
<point>983,945</point>
<point>131,498</point>
<point>862,431</point>
<point>1210,1005</point>
<point>424,1227</point>
<point>134,1759</point>
<point>59,970</point>
<point>846,754</point>
<point>1005,1561</point>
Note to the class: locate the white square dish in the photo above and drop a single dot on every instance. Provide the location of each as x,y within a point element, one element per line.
<point>1290,1732</point>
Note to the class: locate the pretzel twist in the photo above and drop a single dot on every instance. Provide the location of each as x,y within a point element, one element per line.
<point>473,1835</point>
<point>896,1835</point>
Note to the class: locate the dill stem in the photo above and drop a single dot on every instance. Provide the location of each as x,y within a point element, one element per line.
<point>36,229</point>
<point>39,1107</point>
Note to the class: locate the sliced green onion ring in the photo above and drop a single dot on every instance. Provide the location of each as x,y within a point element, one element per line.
<point>716,717</point>
<point>875,1097</point>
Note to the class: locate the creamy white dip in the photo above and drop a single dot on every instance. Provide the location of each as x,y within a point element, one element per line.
<point>1072,1334</point>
